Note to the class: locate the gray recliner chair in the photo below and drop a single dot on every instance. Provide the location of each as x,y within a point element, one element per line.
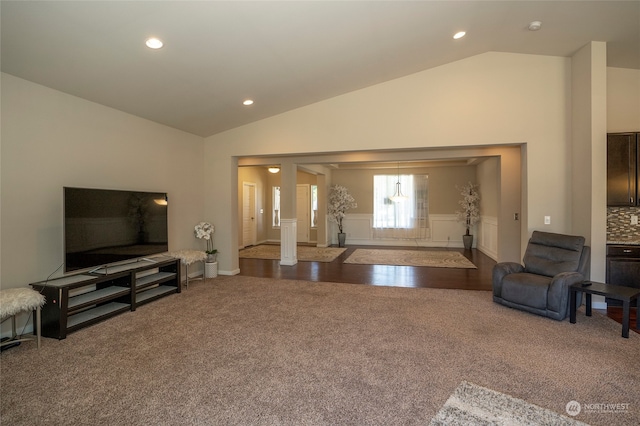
<point>552,263</point>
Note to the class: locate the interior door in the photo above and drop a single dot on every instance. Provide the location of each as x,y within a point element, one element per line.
<point>303,213</point>
<point>249,227</point>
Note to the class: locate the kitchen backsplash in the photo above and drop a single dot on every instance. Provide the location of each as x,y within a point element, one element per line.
<point>619,228</point>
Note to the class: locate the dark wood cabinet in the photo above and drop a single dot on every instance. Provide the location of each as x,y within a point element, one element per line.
<point>623,267</point>
<point>623,160</point>
<point>78,301</point>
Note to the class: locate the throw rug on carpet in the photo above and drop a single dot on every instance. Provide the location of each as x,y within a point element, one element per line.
<point>303,253</point>
<point>473,404</point>
<point>432,258</point>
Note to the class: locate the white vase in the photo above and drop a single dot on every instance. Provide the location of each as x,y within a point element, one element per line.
<point>211,269</point>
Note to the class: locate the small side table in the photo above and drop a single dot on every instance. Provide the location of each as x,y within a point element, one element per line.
<point>617,292</point>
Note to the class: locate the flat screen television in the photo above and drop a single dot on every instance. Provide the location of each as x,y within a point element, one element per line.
<point>103,226</point>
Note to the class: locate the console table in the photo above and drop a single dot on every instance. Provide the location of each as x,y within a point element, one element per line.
<point>624,294</point>
<point>78,301</point>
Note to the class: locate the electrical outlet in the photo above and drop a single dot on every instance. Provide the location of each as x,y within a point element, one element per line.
<point>547,220</point>
<point>634,219</point>
<point>515,216</point>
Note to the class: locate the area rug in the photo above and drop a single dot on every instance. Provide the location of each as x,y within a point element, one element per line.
<point>471,404</point>
<point>432,258</point>
<point>304,253</point>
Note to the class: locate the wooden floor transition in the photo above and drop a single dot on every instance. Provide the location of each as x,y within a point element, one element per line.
<point>397,276</point>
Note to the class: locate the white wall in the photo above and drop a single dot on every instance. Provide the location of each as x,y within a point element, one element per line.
<point>489,99</point>
<point>51,140</point>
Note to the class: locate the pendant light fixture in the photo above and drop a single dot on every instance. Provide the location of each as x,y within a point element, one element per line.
<point>398,196</point>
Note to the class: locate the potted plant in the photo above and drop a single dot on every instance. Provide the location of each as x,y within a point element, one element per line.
<point>205,230</point>
<point>470,212</point>
<point>339,202</point>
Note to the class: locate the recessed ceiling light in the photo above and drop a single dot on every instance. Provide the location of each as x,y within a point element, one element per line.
<point>459,34</point>
<point>535,25</point>
<point>153,43</point>
<point>247,102</point>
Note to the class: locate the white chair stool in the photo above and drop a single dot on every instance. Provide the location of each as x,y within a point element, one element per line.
<point>188,257</point>
<point>16,300</point>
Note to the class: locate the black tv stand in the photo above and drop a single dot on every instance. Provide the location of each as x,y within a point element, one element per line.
<point>78,301</point>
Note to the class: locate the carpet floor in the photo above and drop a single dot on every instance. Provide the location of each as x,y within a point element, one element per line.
<point>303,253</point>
<point>431,258</point>
<point>255,351</point>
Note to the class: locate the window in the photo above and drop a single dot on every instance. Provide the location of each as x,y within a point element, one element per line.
<point>275,213</point>
<point>406,219</point>
<point>314,206</point>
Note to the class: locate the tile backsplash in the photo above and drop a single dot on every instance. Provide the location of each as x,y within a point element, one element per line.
<point>619,226</point>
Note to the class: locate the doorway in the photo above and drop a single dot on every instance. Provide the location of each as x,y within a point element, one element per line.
<point>249,227</point>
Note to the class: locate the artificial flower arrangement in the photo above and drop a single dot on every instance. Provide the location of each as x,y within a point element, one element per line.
<point>339,202</point>
<point>470,213</point>
<point>205,230</point>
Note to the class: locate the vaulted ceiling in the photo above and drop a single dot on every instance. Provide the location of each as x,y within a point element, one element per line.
<point>283,55</point>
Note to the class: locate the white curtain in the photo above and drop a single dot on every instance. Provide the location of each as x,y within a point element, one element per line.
<point>406,219</point>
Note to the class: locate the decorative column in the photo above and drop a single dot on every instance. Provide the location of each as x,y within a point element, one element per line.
<point>288,214</point>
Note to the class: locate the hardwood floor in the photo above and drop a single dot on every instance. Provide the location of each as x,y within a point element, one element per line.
<point>384,275</point>
<point>615,313</point>
<point>398,276</point>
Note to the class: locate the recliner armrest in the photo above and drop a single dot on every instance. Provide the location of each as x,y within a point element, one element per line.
<point>500,270</point>
<point>558,295</point>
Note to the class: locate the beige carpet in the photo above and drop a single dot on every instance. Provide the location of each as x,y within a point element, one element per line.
<point>304,253</point>
<point>255,351</point>
<point>431,258</point>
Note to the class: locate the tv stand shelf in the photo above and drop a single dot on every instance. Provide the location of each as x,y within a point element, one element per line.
<point>78,301</point>
<point>96,297</point>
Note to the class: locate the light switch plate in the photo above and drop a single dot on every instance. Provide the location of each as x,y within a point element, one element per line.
<point>634,219</point>
<point>547,220</point>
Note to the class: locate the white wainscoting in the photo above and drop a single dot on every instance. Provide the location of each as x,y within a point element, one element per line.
<point>445,231</point>
<point>288,254</point>
<point>358,227</point>
<point>488,236</point>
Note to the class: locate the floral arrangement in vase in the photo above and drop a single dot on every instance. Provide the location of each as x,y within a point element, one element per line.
<point>205,230</point>
<point>470,203</point>
<point>339,202</point>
